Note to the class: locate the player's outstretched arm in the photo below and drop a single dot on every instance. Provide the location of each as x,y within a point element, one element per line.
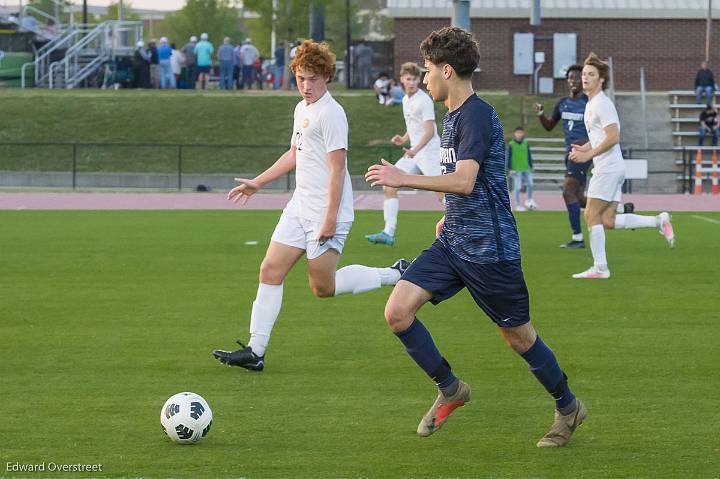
<point>400,139</point>
<point>247,187</point>
<point>547,123</point>
<point>461,181</point>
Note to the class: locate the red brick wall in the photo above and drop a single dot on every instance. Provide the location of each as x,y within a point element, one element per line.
<point>669,50</point>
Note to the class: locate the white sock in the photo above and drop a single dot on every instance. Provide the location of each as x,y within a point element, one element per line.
<point>358,279</point>
<point>597,246</point>
<point>635,221</point>
<point>390,214</point>
<point>620,208</point>
<point>577,237</point>
<point>265,310</point>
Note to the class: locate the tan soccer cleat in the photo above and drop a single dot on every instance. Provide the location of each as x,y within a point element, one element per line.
<point>563,427</point>
<point>441,410</point>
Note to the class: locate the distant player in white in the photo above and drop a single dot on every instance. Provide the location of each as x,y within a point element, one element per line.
<point>423,156</point>
<point>608,175</point>
<point>317,219</point>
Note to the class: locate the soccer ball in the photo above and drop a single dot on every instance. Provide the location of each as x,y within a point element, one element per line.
<point>186,418</point>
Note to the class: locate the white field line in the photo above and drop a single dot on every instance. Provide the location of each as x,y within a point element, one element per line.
<point>705,218</point>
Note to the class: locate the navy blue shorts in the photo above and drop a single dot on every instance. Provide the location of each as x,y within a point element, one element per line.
<point>577,170</point>
<point>498,288</point>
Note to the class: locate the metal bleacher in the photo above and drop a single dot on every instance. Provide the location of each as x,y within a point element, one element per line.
<point>67,54</point>
<point>685,118</point>
<point>548,162</point>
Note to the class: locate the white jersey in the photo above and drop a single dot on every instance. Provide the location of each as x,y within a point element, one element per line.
<point>418,109</point>
<point>599,113</point>
<point>318,129</point>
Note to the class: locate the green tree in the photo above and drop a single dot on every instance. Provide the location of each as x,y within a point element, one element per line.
<point>113,10</point>
<point>295,19</point>
<point>217,18</point>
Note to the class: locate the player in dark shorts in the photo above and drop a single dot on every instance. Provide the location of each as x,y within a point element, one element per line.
<point>477,245</point>
<point>571,110</point>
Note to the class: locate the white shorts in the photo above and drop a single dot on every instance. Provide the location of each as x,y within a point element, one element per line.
<point>606,186</point>
<point>420,165</point>
<point>302,233</point>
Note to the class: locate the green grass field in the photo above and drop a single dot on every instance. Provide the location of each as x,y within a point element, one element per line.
<point>104,315</point>
<point>193,117</point>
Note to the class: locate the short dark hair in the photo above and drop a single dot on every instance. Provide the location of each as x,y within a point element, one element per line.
<point>454,46</point>
<point>519,128</point>
<point>602,67</point>
<point>573,68</point>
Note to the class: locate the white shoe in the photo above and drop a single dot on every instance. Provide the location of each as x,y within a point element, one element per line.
<point>520,208</point>
<point>666,228</point>
<point>531,205</point>
<point>592,273</point>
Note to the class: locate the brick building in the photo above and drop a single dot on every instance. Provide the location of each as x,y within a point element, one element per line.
<point>665,37</point>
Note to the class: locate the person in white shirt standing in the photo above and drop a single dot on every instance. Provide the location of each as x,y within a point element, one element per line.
<point>603,127</point>
<point>317,220</point>
<point>423,156</point>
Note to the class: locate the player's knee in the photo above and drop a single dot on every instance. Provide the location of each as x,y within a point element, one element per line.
<point>519,343</point>
<point>269,273</point>
<point>609,222</point>
<point>398,317</point>
<point>322,290</point>
<point>569,195</point>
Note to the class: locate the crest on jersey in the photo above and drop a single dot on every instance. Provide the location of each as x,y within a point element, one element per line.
<point>306,122</point>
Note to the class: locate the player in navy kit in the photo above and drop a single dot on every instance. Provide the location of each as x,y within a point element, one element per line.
<point>477,244</point>
<point>570,110</point>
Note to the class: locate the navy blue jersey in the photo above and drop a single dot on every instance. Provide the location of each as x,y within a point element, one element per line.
<point>572,113</point>
<point>479,227</point>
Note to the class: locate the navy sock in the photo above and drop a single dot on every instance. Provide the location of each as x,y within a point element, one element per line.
<point>574,217</point>
<point>546,369</point>
<point>421,347</point>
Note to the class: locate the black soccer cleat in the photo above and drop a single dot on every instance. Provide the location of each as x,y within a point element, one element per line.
<point>573,244</point>
<point>243,357</point>
<point>628,208</point>
<point>401,265</point>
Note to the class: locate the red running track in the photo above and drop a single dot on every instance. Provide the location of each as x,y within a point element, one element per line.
<point>418,201</point>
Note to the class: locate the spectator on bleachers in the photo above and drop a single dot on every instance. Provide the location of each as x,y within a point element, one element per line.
<point>141,66</point>
<point>396,93</point>
<point>203,55</point>
<point>704,83</point>
<point>29,23</point>
<point>190,70</point>
<point>176,60</point>
<point>248,55</point>
<point>279,67</point>
<point>154,64</point>
<point>164,52</point>
<point>259,72</point>
<point>708,124</point>
<point>382,88</point>
<point>225,58</point>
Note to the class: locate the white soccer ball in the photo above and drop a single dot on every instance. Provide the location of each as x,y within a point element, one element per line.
<point>186,418</point>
